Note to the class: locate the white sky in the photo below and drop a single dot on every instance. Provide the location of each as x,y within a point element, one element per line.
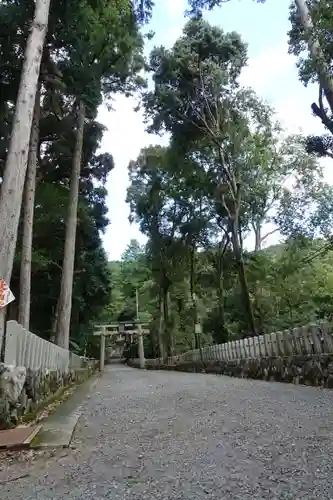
<point>271,72</point>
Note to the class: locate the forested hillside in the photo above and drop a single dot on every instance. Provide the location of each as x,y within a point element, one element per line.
<point>59,62</point>
<point>290,285</point>
<point>229,170</point>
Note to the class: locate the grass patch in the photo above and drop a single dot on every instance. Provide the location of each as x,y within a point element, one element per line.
<point>48,405</point>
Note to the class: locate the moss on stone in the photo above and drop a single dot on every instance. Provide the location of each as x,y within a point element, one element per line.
<point>41,390</point>
<point>314,370</point>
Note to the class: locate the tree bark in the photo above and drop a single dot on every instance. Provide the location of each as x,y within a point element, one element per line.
<point>242,278</point>
<point>167,326</point>
<point>17,157</point>
<point>66,289</point>
<point>220,286</point>
<point>193,298</point>
<point>316,52</point>
<point>197,335</point>
<point>28,219</point>
<point>257,234</point>
<point>54,323</point>
<point>160,328</point>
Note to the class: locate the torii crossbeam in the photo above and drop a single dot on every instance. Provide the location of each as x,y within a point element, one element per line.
<point>122,331</point>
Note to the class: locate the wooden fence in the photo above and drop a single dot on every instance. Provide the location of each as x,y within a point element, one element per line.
<point>23,348</point>
<point>310,339</point>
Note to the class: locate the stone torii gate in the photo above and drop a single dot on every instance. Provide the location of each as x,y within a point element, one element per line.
<point>122,332</point>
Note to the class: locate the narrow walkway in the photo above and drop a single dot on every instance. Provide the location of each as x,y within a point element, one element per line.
<point>148,435</point>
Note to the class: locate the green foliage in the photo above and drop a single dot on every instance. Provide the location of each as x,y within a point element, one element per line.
<point>321,17</point>
<point>225,173</point>
<point>197,6</point>
<point>93,49</point>
<point>187,76</point>
<point>291,285</point>
<point>131,278</point>
<point>315,65</point>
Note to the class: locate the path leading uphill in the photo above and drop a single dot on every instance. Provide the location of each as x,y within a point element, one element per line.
<point>147,435</point>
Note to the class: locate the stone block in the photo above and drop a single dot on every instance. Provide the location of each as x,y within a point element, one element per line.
<point>12,379</point>
<point>23,391</point>
<point>314,370</point>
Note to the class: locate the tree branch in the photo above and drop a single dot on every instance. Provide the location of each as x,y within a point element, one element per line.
<point>269,234</point>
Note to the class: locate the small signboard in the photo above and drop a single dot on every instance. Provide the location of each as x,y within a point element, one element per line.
<point>6,295</point>
<point>197,328</point>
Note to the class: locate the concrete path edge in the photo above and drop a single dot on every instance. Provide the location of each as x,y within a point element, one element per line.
<point>58,429</point>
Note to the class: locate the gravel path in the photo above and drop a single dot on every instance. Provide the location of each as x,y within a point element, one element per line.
<point>173,436</point>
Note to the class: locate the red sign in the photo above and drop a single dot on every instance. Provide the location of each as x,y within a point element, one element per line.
<point>6,295</point>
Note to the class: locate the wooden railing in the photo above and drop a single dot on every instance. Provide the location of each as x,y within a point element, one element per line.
<point>24,348</point>
<point>310,339</point>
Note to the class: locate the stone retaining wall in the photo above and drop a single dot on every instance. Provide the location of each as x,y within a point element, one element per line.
<point>23,391</point>
<point>314,370</point>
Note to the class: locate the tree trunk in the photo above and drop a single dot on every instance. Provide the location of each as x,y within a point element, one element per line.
<point>160,328</point>
<point>220,300</point>
<point>54,323</point>
<point>17,157</point>
<point>257,234</point>
<point>242,278</point>
<point>197,334</point>
<point>28,219</point>
<point>220,288</point>
<point>323,71</point>
<point>167,325</point>
<point>65,298</point>
<point>193,298</point>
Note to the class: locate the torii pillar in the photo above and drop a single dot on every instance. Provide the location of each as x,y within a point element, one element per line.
<point>102,352</point>
<point>141,348</point>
